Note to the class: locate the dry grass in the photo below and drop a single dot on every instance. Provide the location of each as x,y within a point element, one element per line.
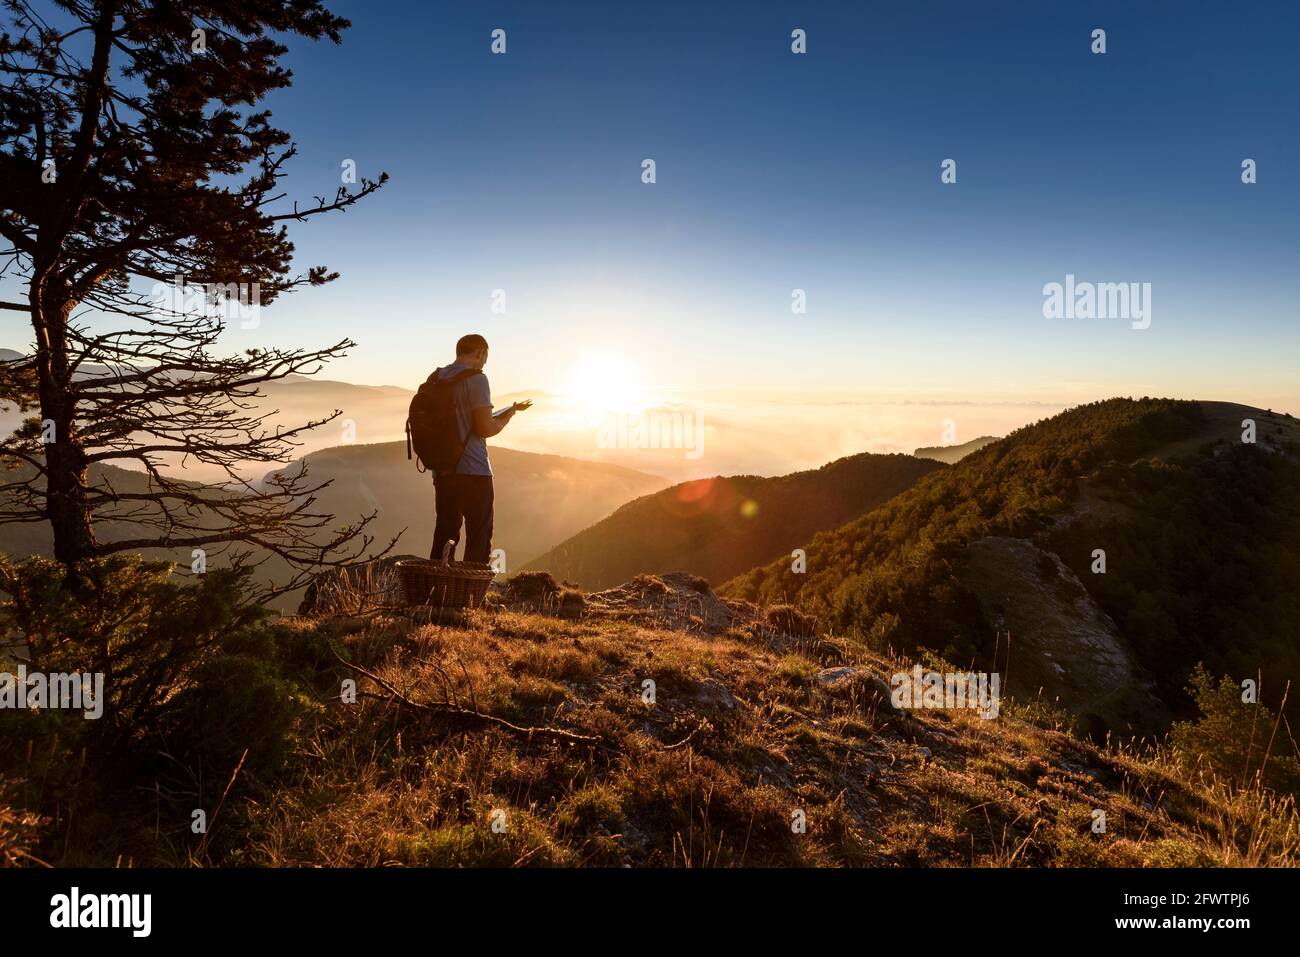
<point>656,726</point>
<point>19,830</point>
<point>740,743</point>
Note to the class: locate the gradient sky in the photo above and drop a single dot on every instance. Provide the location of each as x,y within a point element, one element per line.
<point>819,171</point>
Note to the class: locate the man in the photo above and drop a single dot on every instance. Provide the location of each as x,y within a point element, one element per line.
<point>465,494</point>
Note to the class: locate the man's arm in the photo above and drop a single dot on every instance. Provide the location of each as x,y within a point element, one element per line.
<point>486,424</point>
<point>480,407</point>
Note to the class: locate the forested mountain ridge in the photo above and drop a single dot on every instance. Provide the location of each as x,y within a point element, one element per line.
<point>1200,531</point>
<point>719,527</point>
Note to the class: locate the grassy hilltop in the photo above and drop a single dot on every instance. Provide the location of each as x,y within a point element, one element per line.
<point>531,713</point>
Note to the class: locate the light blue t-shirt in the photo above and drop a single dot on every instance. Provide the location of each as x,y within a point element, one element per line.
<point>471,393</point>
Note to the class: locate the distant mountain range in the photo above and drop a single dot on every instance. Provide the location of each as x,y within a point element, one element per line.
<point>540,499</point>
<point>952,454</point>
<point>720,527</point>
<point>369,414</point>
<point>729,433</point>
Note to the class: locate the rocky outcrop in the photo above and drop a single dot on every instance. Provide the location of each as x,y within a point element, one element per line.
<point>1061,644</point>
<point>677,600</point>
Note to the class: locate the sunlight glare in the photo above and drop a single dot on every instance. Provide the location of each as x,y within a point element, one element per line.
<point>605,380</point>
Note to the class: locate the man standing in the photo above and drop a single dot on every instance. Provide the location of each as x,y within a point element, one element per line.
<point>465,492</point>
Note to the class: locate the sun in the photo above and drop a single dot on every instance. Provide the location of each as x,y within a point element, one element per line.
<point>604,380</point>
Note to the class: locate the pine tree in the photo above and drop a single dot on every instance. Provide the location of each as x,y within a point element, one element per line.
<point>132,154</point>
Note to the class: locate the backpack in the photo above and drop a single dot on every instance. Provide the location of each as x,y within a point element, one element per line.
<point>432,429</point>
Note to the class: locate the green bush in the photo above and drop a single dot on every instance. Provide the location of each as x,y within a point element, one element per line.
<point>194,676</point>
<point>1233,738</point>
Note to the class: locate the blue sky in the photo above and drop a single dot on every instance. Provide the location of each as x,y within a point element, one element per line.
<point>819,171</point>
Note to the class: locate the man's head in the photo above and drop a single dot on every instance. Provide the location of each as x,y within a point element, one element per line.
<point>472,351</point>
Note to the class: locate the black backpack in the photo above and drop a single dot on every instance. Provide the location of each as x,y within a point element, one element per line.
<point>431,426</point>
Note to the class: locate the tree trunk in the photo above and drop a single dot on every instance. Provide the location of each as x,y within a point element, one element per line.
<point>65,458</point>
<point>65,502</point>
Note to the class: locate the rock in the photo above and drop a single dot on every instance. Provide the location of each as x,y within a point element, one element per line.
<point>1067,647</point>
<point>711,694</point>
<point>833,676</point>
<point>844,675</point>
<point>676,600</point>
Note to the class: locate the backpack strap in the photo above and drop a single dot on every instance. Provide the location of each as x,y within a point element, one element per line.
<point>460,376</point>
<point>457,379</point>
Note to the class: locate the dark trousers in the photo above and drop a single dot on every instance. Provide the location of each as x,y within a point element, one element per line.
<point>466,498</point>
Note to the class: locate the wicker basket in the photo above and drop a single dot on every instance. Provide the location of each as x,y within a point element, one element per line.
<point>444,584</point>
